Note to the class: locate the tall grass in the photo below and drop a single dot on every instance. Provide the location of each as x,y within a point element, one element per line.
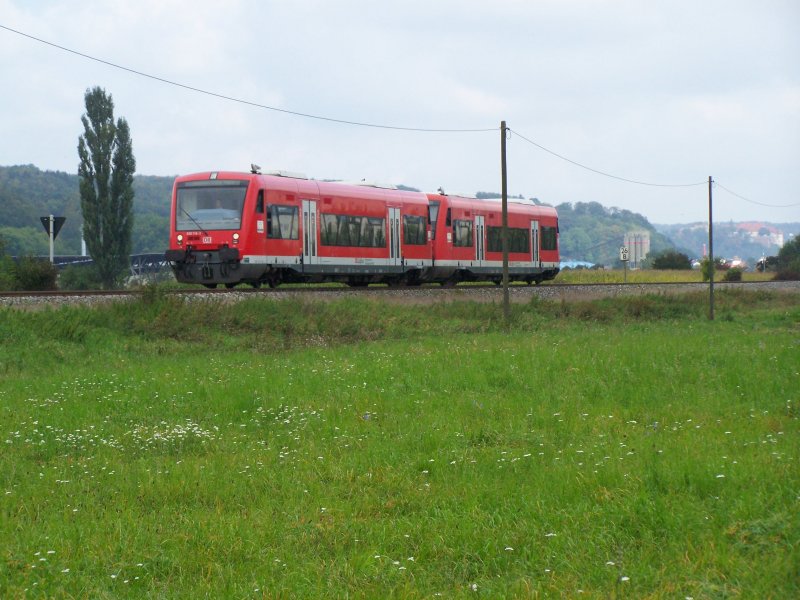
<point>624,448</point>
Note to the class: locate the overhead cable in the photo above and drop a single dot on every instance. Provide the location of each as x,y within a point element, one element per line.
<point>577,164</point>
<point>732,193</point>
<point>239,100</point>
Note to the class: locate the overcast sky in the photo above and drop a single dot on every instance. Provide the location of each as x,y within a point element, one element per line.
<point>658,91</point>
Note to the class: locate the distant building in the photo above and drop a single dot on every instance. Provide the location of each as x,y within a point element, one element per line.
<point>761,234</point>
<point>638,244</point>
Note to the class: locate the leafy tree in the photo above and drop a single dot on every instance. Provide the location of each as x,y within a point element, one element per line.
<point>106,172</point>
<point>671,259</point>
<point>24,241</point>
<point>789,260</point>
<point>150,233</point>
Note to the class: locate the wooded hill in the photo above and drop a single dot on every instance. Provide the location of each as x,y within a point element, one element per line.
<point>28,193</point>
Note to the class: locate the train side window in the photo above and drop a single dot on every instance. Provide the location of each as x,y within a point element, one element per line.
<point>433,217</point>
<point>462,233</point>
<point>260,202</point>
<point>549,238</point>
<point>349,230</point>
<point>447,221</point>
<point>282,222</point>
<point>518,239</point>
<point>414,230</point>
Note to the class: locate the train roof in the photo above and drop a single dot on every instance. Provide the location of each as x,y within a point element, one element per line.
<point>300,183</point>
<point>493,204</point>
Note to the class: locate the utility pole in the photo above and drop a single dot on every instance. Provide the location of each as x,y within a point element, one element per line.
<point>711,264</point>
<point>504,232</point>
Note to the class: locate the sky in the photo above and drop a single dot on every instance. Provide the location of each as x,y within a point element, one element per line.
<point>662,92</point>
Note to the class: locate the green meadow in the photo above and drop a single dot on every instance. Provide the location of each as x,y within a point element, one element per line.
<point>624,448</point>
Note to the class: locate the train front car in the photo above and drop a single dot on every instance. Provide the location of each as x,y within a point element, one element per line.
<point>207,233</point>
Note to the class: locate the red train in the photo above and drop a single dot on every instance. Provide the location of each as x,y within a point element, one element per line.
<point>230,228</point>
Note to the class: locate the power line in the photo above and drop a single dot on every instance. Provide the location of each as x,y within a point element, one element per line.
<point>582,166</point>
<point>374,125</point>
<point>239,100</point>
<point>732,193</point>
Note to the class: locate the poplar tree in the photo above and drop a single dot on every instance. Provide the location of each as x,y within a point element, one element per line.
<point>106,173</point>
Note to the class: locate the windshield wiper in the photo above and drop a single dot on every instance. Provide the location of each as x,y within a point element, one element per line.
<point>200,227</point>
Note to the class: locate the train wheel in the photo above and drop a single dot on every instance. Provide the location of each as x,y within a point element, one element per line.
<point>256,285</point>
<point>230,286</point>
<point>211,286</point>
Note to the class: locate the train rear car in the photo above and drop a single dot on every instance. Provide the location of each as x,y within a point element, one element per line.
<point>467,240</point>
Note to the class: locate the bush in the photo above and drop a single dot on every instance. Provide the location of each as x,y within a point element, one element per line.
<point>34,274</point>
<point>671,259</point>
<point>8,277</point>
<point>79,277</point>
<point>706,268</point>
<point>733,274</point>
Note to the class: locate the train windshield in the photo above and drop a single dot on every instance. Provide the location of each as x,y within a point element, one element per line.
<point>210,204</point>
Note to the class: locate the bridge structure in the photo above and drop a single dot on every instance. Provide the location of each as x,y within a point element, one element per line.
<point>141,265</point>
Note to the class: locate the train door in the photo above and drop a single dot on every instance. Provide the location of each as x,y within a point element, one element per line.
<point>309,232</point>
<point>535,244</point>
<point>480,238</point>
<point>394,236</point>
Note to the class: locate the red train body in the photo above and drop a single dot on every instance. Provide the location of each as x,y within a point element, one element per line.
<point>230,228</point>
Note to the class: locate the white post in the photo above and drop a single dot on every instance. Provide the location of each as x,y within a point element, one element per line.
<point>52,237</point>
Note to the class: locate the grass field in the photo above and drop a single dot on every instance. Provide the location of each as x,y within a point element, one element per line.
<point>647,276</point>
<point>622,448</point>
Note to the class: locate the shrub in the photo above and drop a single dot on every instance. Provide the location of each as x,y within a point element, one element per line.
<point>671,259</point>
<point>733,274</point>
<point>79,277</point>
<point>8,278</point>
<point>706,267</point>
<point>34,274</point>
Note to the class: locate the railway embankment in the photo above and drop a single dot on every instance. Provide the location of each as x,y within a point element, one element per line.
<point>406,295</point>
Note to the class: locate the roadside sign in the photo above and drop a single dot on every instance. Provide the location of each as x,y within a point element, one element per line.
<point>623,253</point>
<point>57,223</point>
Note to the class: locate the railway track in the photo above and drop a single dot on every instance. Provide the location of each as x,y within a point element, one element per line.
<point>417,294</point>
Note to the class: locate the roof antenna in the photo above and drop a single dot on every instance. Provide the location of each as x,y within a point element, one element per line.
<point>255,169</point>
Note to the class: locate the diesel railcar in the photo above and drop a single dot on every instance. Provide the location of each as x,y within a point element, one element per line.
<point>230,228</point>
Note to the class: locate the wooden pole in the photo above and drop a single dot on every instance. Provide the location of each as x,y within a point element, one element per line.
<point>712,266</point>
<point>504,233</point>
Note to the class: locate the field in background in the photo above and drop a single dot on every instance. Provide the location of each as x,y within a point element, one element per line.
<point>648,276</point>
<point>618,448</point>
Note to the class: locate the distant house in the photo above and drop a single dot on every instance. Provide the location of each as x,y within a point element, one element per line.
<point>760,233</point>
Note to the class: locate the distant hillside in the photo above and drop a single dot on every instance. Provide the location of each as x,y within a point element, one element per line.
<point>27,193</point>
<point>748,241</point>
<point>591,232</point>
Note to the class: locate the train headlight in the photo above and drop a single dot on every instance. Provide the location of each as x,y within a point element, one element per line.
<point>180,239</point>
<point>235,238</point>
